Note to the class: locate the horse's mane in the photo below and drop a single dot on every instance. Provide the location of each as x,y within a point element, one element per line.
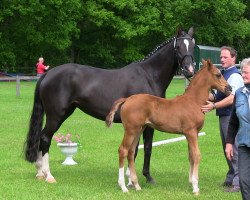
<point>157,49</point>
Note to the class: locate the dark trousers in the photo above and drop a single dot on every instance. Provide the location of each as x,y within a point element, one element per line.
<point>244,171</point>
<point>233,172</point>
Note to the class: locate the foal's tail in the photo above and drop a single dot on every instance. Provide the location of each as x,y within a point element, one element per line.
<point>110,117</point>
<point>35,126</point>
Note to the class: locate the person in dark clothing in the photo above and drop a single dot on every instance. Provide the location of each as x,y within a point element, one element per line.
<point>223,106</point>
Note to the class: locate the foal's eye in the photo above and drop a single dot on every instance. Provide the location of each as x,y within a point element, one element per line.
<point>218,75</point>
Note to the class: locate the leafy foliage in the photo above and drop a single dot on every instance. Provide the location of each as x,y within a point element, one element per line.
<point>112,33</point>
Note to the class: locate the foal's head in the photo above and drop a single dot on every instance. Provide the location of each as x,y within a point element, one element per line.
<point>184,47</point>
<point>215,78</point>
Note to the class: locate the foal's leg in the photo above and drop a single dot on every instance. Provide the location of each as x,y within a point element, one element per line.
<point>130,184</point>
<point>191,164</point>
<point>123,153</point>
<point>131,161</point>
<point>194,157</point>
<point>148,134</point>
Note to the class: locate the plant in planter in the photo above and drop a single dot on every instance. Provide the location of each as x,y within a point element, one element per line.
<point>68,144</point>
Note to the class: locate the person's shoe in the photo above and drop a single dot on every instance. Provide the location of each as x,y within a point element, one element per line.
<point>227,184</point>
<point>233,189</point>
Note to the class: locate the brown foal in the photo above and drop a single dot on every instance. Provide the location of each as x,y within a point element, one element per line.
<point>179,115</point>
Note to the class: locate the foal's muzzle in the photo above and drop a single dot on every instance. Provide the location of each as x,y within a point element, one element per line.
<point>228,90</point>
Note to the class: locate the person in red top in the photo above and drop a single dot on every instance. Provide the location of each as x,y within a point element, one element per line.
<point>40,67</point>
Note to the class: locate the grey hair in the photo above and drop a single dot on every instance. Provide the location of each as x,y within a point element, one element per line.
<point>245,62</point>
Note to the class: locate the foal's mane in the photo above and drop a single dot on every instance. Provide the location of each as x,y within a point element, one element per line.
<point>195,76</point>
<point>157,49</point>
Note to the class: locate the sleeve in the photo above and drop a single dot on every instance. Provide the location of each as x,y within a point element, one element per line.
<point>235,81</point>
<point>233,125</point>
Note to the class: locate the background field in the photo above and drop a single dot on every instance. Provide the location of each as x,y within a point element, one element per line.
<point>95,176</point>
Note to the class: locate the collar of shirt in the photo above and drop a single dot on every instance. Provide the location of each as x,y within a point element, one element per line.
<point>245,90</point>
<point>225,69</point>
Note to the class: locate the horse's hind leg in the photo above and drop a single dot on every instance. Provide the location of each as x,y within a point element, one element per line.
<point>40,175</point>
<point>52,125</point>
<point>42,163</point>
<point>194,157</point>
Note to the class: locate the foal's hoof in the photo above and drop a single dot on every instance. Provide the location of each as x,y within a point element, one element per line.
<point>130,186</point>
<point>40,177</point>
<point>124,190</point>
<point>196,193</point>
<point>51,180</point>
<point>137,188</point>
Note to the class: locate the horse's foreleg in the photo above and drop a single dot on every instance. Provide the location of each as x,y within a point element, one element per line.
<point>148,134</point>
<point>194,160</point>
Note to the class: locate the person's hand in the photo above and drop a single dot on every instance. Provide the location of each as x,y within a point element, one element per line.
<point>208,107</point>
<point>229,151</point>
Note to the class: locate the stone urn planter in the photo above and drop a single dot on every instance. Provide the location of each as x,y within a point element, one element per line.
<point>68,149</point>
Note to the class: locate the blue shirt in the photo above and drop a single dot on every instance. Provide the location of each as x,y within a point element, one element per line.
<point>239,124</point>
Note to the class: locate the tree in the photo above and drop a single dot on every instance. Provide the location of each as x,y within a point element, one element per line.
<point>112,33</point>
<point>29,29</point>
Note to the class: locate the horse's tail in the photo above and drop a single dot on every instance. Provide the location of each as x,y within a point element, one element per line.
<point>110,117</point>
<point>35,126</point>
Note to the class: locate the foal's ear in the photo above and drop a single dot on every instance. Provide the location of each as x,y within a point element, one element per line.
<point>204,62</point>
<point>209,64</point>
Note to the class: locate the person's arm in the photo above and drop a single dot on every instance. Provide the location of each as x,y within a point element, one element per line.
<point>220,104</point>
<point>232,132</point>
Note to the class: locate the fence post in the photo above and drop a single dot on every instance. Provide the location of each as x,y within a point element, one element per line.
<point>17,86</point>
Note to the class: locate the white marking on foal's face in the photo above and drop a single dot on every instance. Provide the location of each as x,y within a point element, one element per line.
<point>186,42</point>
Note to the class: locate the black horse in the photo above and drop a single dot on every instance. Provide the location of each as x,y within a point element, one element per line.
<point>67,87</point>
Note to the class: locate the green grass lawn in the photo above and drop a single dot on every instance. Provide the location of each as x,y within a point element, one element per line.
<point>95,176</point>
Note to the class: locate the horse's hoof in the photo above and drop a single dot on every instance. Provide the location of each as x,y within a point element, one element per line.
<point>150,180</point>
<point>51,180</point>
<point>40,177</point>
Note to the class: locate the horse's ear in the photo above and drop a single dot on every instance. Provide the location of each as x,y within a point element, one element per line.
<point>191,32</point>
<point>178,31</point>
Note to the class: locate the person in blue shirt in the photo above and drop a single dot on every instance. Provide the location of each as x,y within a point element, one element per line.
<point>239,130</point>
<point>223,106</point>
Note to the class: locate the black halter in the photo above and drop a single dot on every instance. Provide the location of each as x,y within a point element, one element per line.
<point>187,55</point>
